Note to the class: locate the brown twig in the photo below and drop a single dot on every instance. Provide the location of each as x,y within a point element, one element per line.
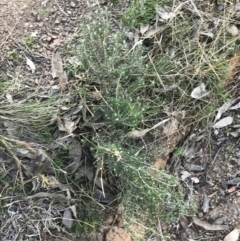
<point>160,230</point>
<point>61,8</point>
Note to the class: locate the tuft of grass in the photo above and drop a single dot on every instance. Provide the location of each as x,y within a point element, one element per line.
<point>14,56</point>
<point>90,216</point>
<point>4,84</point>
<point>141,12</point>
<point>145,189</point>
<point>32,119</point>
<point>42,12</point>
<point>29,41</point>
<point>124,80</point>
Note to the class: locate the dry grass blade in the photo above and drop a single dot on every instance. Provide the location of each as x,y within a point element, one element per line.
<point>20,143</point>
<point>159,78</point>
<point>8,144</point>
<point>17,162</point>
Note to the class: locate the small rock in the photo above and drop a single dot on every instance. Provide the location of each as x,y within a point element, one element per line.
<point>67,29</point>
<point>49,38</point>
<point>34,14</point>
<point>53,10</point>
<point>40,24</point>
<point>72,4</point>
<point>220,221</point>
<point>195,168</point>
<point>34,34</point>
<point>56,42</point>
<point>195,180</point>
<point>57,21</point>
<point>69,12</point>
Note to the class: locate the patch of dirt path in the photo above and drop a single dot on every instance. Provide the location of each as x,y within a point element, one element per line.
<point>12,14</point>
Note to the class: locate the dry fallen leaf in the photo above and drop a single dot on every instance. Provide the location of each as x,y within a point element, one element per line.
<point>183,221</point>
<point>63,81</point>
<point>136,37</point>
<point>199,92</point>
<point>75,153</point>
<point>67,218</point>
<point>224,122</point>
<point>185,175</point>
<point>137,134</point>
<point>153,31</point>
<point>47,195</point>
<point>25,153</point>
<point>234,64</point>
<point>74,210</point>
<point>224,108</point>
<point>195,180</point>
<point>208,34</point>
<point>31,65</point>
<point>232,236</point>
<point>163,13</point>
<point>67,124</point>
<point>9,98</point>
<point>232,29</point>
<point>57,65</point>
<point>208,226</point>
<point>206,201</point>
<point>141,133</point>
<point>235,133</point>
<point>237,106</point>
<point>144,28</point>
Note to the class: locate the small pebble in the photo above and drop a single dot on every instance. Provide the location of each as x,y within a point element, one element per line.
<point>34,14</point>
<point>72,4</point>
<point>53,10</point>
<point>220,221</point>
<point>67,29</point>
